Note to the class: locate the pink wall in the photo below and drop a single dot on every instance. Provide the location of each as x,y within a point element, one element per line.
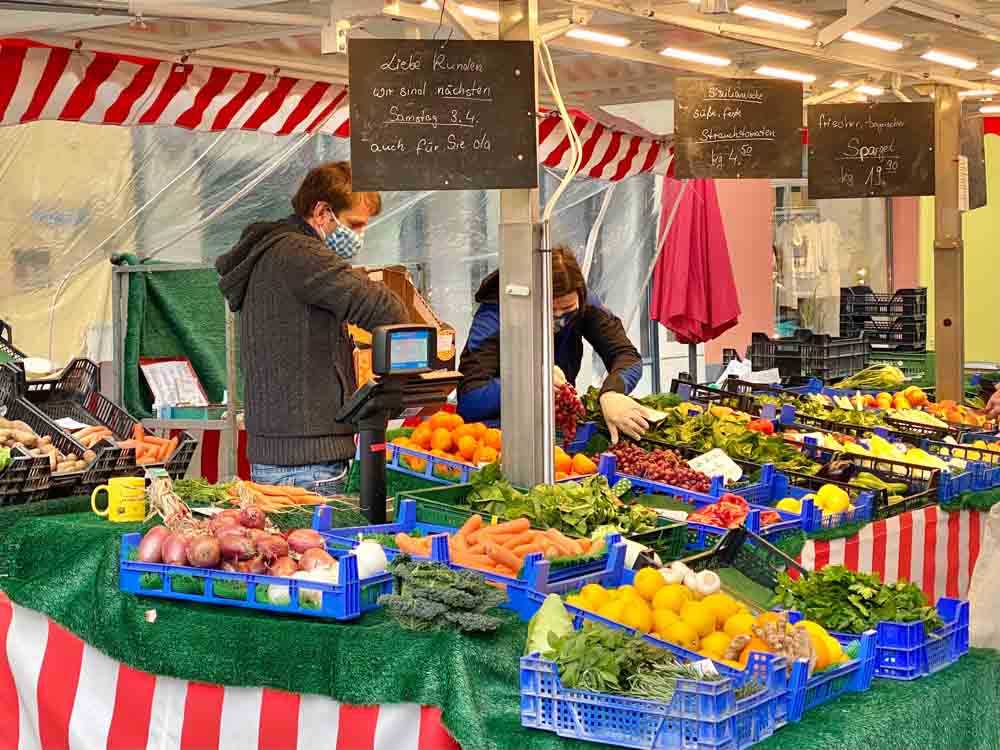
<point>905,243</point>
<point>747,210</point>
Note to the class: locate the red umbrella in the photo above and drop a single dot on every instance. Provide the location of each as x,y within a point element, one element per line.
<point>694,293</point>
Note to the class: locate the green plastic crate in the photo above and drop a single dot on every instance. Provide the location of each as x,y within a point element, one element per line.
<point>443,505</point>
<point>668,541</point>
<point>917,366</point>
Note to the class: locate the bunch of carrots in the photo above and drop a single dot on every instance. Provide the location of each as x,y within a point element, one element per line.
<point>273,498</point>
<point>500,548</point>
<point>149,449</point>
<point>88,437</point>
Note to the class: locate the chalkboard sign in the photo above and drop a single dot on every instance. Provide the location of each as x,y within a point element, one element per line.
<point>869,150</point>
<point>737,127</point>
<point>972,148</point>
<point>442,115</point>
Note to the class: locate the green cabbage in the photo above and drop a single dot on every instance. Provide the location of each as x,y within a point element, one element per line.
<point>551,619</point>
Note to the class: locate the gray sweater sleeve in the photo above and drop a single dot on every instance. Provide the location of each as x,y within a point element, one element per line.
<point>320,278</point>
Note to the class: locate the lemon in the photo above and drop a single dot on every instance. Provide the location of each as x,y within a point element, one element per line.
<point>637,616</point>
<point>663,619</point>
<point>699,617</point>
<point>683,635</point>
<point>578,601</point>
<point>790,505</point>
<point>822,651</point>
<point>716,644</point>
<point>596,595</point>
<point>834,499</point>
<point>673,596</point>
<point>624,591</point>
<point>647,582</point>
<point>739,624</point>
<point>722,605</point>
<point>834,649</point>
<point>612,611</point>
<point>813,628</point>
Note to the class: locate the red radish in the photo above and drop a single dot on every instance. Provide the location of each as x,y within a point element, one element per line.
<point>283,566</point>
<point>151,546</point>
<point>253,517</point>
<point>175,549</point>
<point>301,540</point>
<point>234,547</point>
<point>253,565</point>
<point>271,547</point>
<point>316,558</point>
<point>204,552</point>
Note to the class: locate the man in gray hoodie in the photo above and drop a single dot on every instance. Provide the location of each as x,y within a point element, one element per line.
<point>295,291</point>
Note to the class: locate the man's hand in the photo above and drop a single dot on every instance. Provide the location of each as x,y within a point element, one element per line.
<point>624,415</point>
<point>993,407</point>
<point>558,377</point>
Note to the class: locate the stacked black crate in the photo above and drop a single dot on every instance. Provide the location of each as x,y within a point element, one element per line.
<point>895,321</point>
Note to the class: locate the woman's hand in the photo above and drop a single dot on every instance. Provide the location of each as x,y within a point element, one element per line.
<point>624,415</point>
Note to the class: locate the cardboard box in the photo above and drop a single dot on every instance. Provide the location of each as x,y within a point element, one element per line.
<point>418,310</point>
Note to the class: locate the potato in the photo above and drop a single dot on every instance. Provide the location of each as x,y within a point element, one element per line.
<point>71,457</point>
<point>81,465</point>
<point>44,440</point>
<point>27,438</point>
<point>89,456</point>
<point>22,426</point>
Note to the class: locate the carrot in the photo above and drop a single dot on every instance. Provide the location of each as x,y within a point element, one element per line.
<point>473,523</point>
<point>127,444</point>
<point>168,449</point>
<point>584,545</point>
<point>458,544</point>
<point>138,434</point>
<point>508,527</point>
<point>526,537</point>
<point>572,544</point>
<point>408,544</point>
<point>152,440</point>
<point>475,560</point>
<point>564,545</point>
<point>143,460</point>
<point>504,556</point>
<point>526,549</point>
<point>551,551</point>
<point>477,549</point>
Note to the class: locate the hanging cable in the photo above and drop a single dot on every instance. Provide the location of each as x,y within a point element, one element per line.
<point>575,144</point>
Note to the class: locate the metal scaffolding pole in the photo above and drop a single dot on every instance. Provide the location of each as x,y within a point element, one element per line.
<point>949,266</point>
<point>525,308</point>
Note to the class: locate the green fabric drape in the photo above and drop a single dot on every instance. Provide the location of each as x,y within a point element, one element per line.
<point>174,314</point>
<point>65,565</point>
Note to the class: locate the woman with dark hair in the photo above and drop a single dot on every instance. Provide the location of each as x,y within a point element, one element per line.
<point>578,316</point>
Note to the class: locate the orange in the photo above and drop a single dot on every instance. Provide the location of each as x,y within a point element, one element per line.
<point>441,439</point>
<point>403,441</point>
<point>441,420</point>
<point>765,617</point>
<point>485,455</point>
<point>462,431</point>
<point>491,439</point>
<point>756,644</point>
<point>564,464</point>
<point>583,465</point>
<point>446,472</point>
<point>561,475</point>
<point>422,437</point>
<point>478,430</point>
<point>467,446</point>
<point>455,421</point>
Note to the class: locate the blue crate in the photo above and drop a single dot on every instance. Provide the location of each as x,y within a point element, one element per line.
<point>905,651</point>
<point>394,455</point>
<point>805,692</point>
<point>346,600</point>
<point>700,716</point>
<point>584,432</point>
<point>963,451</point>
<point>537,573</point>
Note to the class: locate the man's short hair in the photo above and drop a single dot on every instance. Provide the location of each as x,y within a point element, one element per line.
<point>331,183</point>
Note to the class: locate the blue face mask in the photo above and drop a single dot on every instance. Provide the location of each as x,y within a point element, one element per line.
<point>562,321</point>
<point>344,241</point>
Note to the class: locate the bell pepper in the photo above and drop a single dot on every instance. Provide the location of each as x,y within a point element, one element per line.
<point>765,426</point>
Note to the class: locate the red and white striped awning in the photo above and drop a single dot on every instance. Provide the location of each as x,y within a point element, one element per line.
<point>41,82</point>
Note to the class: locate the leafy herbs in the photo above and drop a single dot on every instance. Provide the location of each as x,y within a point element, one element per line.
<point>430,596</point>
<point>574,508</point>
<point>200,491</point>
<point>4,458</point>
<point>843,600</point>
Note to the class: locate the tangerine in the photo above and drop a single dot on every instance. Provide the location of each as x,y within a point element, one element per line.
<point>485,455</point>
<point>441,440</point>
<point>561,475</point>
<point>460,432</point>
<point>583,465</point>
<point>455,421</point>
<point>478,429</point>
<point>440,420</point>
<point>422,437</point>
<point>756,644</point>
<point>563,462</point>
<point>467,446</point>
<point>492,439</point>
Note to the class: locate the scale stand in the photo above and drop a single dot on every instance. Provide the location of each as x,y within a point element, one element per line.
<point>403,385</point>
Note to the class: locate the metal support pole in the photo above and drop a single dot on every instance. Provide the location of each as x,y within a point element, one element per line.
<point>949,276</point>
<point>232,402</point>
<point>526,333</point>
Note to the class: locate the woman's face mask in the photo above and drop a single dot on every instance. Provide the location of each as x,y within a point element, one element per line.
<point>561,321</point>
<point>566,308</point>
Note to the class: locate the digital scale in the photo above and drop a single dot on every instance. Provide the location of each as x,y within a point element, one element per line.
<point>403,384</point>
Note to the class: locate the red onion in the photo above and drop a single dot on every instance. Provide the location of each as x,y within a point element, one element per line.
<point>204,552</point>
<point>235,530</point>
<point>151,546</point>
<point>252,517</point>
<point>221,521</point>
<point>283,566</point>
<point>253,565</point>
<point>234,547</point>
<point>301,540</point>
<point>271,547</point>
<point>175,549</point>
<point>316,558</point>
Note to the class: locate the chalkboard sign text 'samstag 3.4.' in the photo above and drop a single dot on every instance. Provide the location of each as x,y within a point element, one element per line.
<point>745,127</point>
<point>434,115</point>
<point>868,150</point>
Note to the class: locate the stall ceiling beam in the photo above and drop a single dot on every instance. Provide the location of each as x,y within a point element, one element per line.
<point>772,40</point>
<point>200,12</point>
<point>256,34</point>
<point>858,11</point>
<point>968,21</point>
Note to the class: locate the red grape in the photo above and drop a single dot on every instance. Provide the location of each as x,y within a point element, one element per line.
<point>568,411</point>
<point>660,465</point>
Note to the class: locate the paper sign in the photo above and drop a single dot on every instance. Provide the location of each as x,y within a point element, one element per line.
<point>173,381</point>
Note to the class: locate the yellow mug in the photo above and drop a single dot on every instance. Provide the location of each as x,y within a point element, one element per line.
<point>126,499</point>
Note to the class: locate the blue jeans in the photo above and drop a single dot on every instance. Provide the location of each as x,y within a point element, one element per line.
<point>326,479</point>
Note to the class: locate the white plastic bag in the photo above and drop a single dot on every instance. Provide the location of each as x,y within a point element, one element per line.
<point>984,591</point>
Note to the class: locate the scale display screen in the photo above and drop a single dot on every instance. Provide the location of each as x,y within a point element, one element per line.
<point>410,350</point>
<point>404,349</point>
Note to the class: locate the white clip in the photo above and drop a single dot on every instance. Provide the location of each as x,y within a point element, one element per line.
<point>517,290</point>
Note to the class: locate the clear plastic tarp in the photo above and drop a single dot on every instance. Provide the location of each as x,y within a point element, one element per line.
<point>77,194</point>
